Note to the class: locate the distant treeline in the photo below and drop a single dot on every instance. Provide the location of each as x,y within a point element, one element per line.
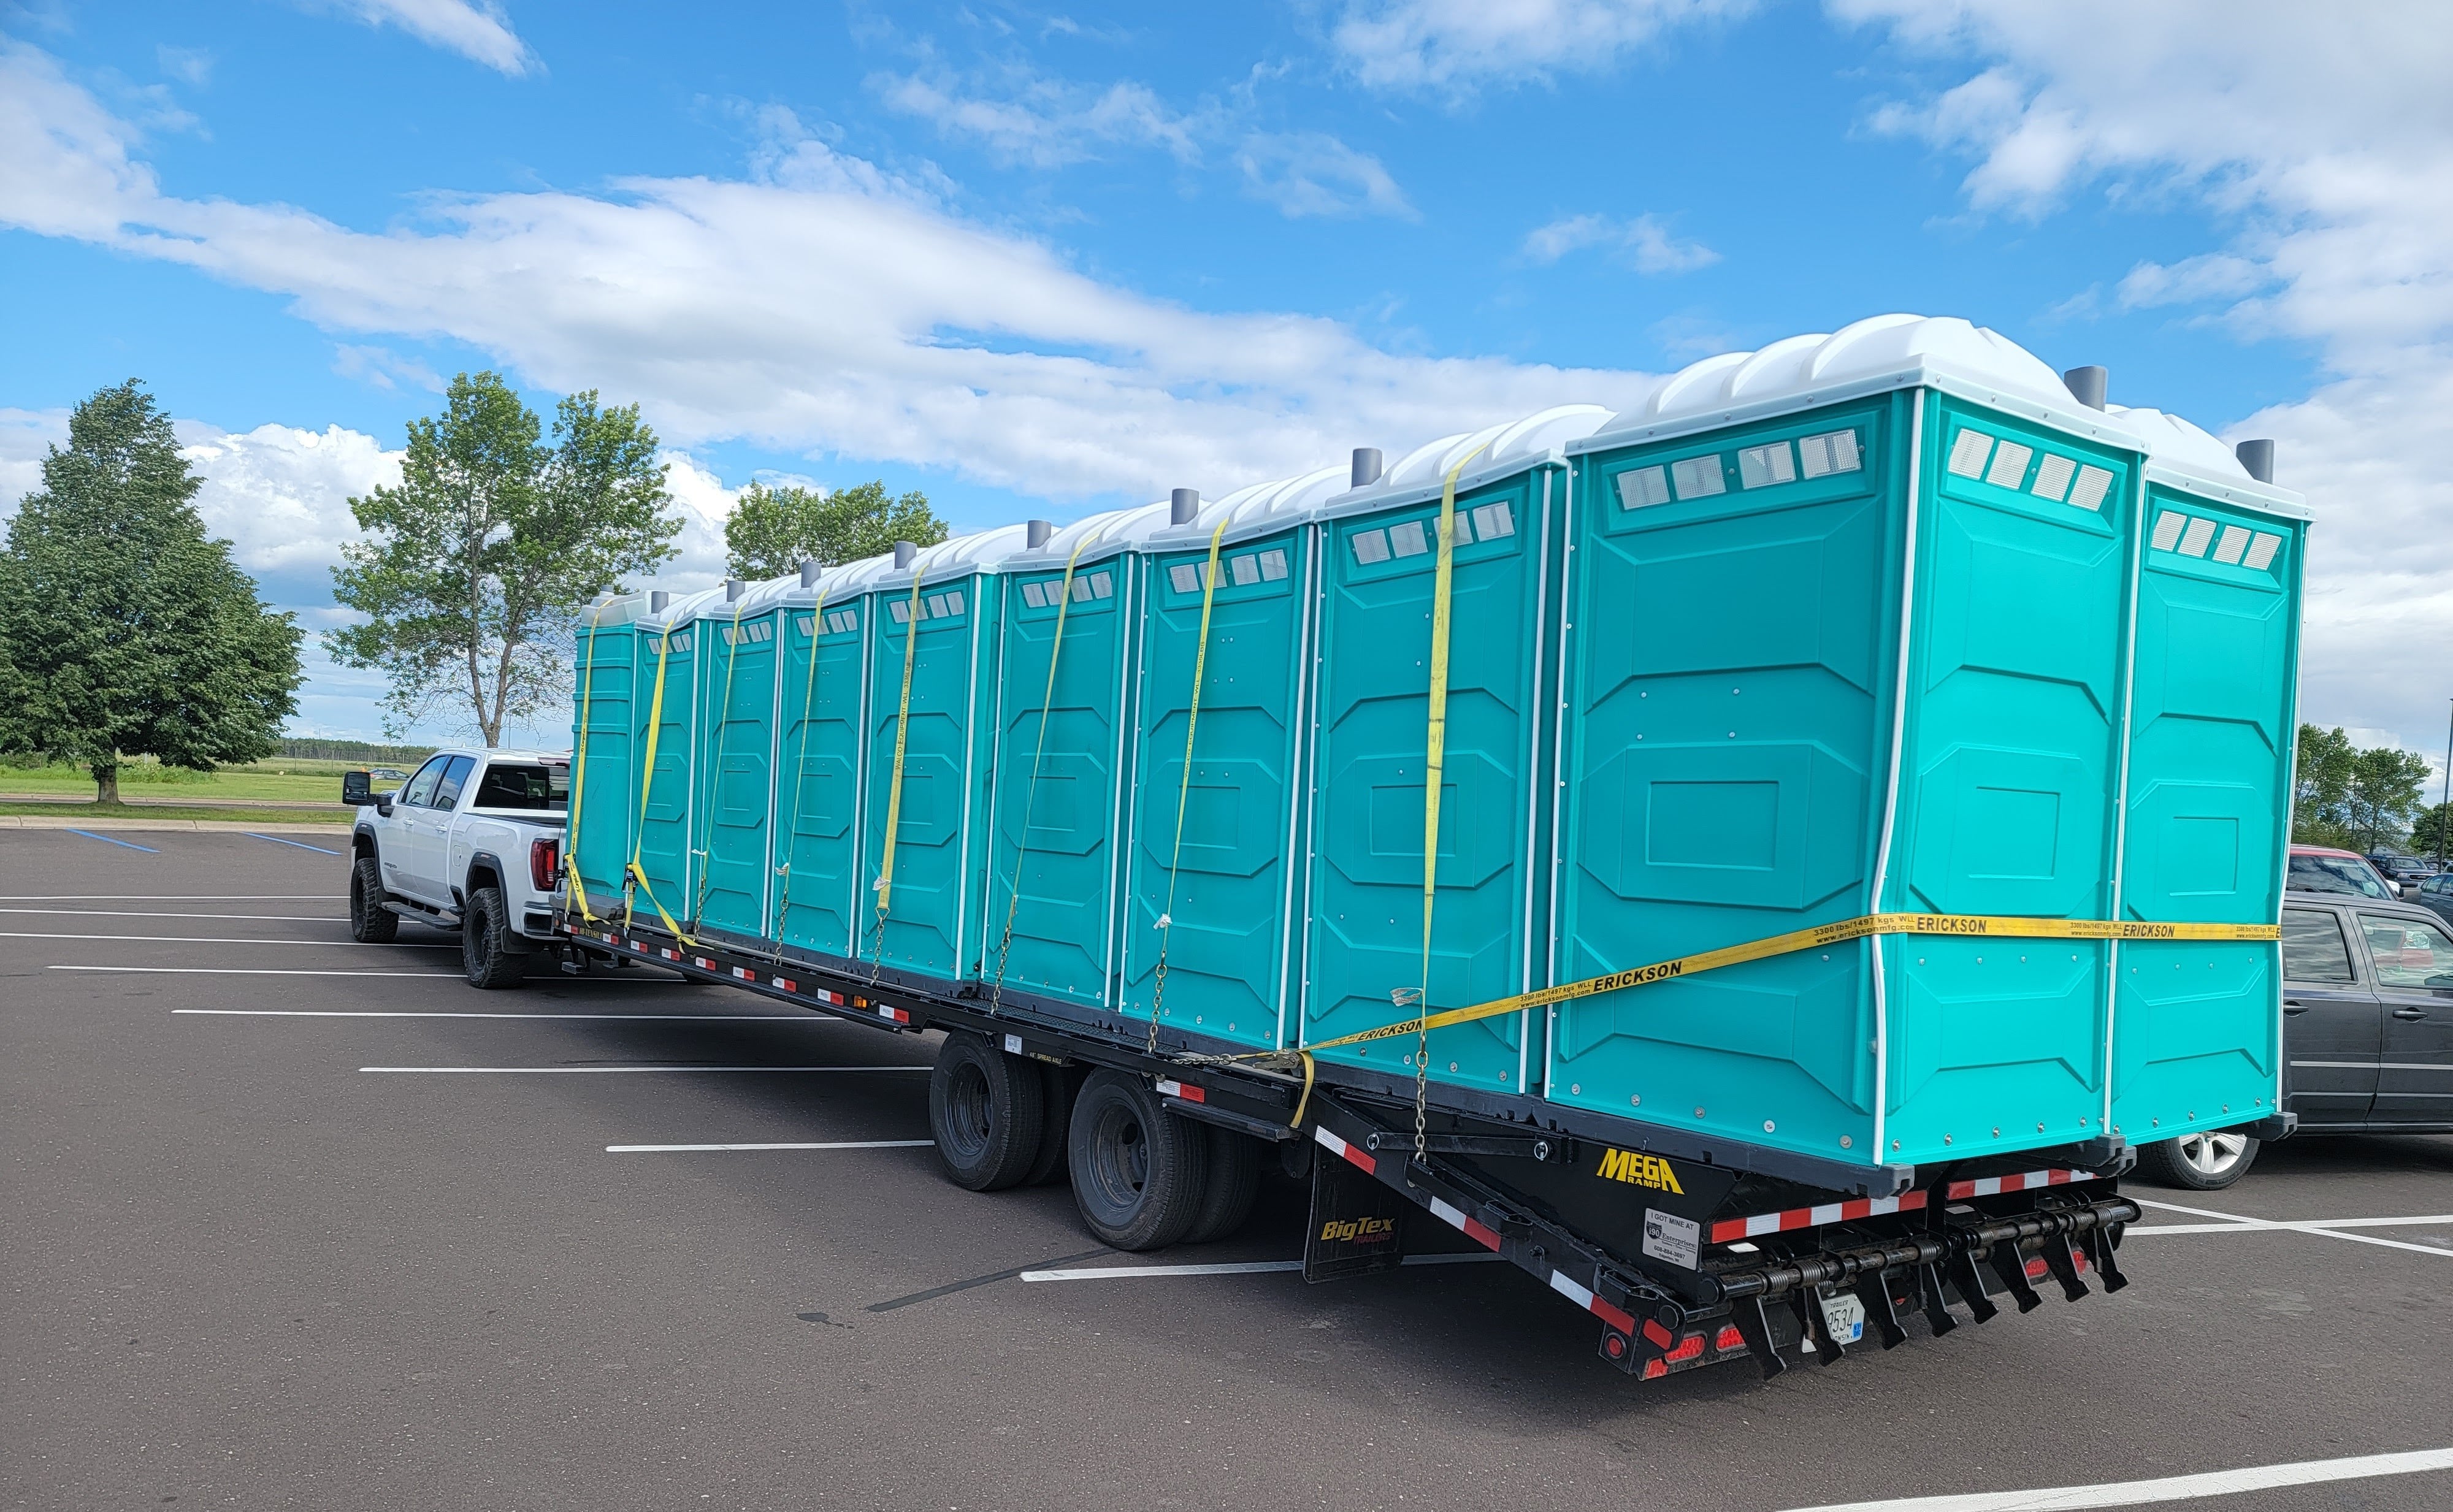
<point>355,751</point>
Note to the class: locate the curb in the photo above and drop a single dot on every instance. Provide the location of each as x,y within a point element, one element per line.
<point>187,826</point>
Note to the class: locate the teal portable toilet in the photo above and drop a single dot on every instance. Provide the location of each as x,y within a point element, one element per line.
<point>664,703</point>
<point>1050,927</point>
<point>1848,635</point>
<point>733,758</point>
<point>942,608</point>
<point>2213,725</point>
<point>821,713</point>
<point>1379,545</point>
<point>604,786</point>
<point>1230,891</point>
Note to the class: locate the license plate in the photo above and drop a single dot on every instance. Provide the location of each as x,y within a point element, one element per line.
<point>1845,1317</point>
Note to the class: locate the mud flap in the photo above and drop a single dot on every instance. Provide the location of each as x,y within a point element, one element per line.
<point>1358,1225</point>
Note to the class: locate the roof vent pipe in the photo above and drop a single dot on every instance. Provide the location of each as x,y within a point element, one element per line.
<point>1183,506</point>
<point>657,601</point>
<point>2258,457</point>
<point>904,552</point>
<point>1367,466</point>
<point>809,573</point>
<point>732,588</point>
<point>2089,386</point>
<point>1035,533</point>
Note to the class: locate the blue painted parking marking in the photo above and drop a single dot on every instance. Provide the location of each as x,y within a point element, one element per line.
<point>108,841</point>
<point>300,844</point>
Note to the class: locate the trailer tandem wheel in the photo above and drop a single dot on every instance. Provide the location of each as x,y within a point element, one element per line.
<point>986,1109</point>
<point>1139,1172</point>
<point>1234,1183</point>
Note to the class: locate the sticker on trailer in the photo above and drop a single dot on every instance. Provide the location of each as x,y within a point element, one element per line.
<point>1844,1317</point>
<point>1668,1237</point>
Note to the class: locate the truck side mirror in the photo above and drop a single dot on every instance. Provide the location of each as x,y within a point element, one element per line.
<point>357,788</point>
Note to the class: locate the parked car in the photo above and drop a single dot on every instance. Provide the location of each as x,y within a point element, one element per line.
<point>2435,894</point>
<point>2408,870</point>
<point>2322,868</point>
<point>472,843</point>
<point>2368,1032</point>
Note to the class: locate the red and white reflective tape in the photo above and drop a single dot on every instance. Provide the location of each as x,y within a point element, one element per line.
<point>1185,1090</point>
<point>670,955</point>
<point>1338,1146</point>
<point>1582,1296</point>
<point>1848,1212</point>
<point>1472,1227</point>
<point>825,995</point>
<point>787,984</point>
<point>639,946</point>
<point>745,973</point>
<point>2024,1182</point>
<point>891,1015</point>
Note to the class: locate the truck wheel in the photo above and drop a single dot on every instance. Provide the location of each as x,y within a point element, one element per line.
<point>1139,1172</point>
<point>370,923</point>
<point>487,952</point>
<point>1234,1183</point>
<point>1055,1126</point>
<point>985,1108</point>
<point>2206,1162</point>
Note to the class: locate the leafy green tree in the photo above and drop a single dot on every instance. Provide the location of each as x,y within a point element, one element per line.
<point>772,531</point>
<point>2382,795</point>
<point>472,571</point>
<point>125,629</point>
<point>2431,834</point>
<point>2322,785</point>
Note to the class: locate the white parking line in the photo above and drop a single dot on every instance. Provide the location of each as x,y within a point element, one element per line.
<point>2291,1228</point>
<point>156,913</point>
<point>2318,1225</point>
<point>2169,1488</point>
<point>170,897</point>
<point>1236,1267</point>
<point>261,971</point>
<point>601,1071</point>
<point>837,1144</point>
<point>209,939</point>
<point>412,1013</point>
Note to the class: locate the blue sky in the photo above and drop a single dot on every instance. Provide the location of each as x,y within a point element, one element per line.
<point>1040,262</point>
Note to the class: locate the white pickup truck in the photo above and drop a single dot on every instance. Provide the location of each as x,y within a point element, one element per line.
<point>471,841</point>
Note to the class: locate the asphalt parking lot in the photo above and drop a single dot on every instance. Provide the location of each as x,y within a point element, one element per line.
<point>298,1223</point>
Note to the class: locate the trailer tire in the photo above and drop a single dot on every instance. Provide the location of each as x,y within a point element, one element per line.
<point>1139,1172</point>
<point>1055,1124</point>
<point>2205,1161</point>
<point>1234,1183</point>
<point>986,1109</point>
<point>488,953</point>
<point>370,923</point>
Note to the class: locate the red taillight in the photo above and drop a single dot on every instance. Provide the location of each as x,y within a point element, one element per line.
<point>544,858</point>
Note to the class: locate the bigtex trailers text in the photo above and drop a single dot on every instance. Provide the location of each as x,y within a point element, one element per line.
<point>1855,780</point>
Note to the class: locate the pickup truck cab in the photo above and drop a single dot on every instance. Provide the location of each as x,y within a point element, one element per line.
<point>471,841</point>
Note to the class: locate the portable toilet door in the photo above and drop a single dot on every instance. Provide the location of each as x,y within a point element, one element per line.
<point>1211,860</point>
<point>1062,716</point>
<point>931,662</point>
<point>732,790</point>
<point>818,902</point>
<point>1379,615</point>
<point>667,695</point>
<point>604,785</point>
<point>2213,725</point>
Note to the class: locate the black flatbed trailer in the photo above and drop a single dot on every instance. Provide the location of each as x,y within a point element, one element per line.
<point>1688,1250</point>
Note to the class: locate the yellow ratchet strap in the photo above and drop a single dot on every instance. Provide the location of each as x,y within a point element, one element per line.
<point>1435,739</point>
<point>579,777</point>
<point>1039,752</point>
<point>646,783</point>
<point>1184,791</point>
<point>1980,925</point>
<point>902,728</point>
<point>716,771</point>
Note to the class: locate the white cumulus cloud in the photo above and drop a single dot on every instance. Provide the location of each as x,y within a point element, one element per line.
<point>1644,244</point>
<point>1457,44</point>
<point>477,29</point>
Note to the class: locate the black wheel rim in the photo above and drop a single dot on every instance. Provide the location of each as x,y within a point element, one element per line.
<point>970,1113</point>
<point>1120,1159</point>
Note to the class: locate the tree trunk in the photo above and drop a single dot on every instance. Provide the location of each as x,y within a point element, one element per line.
<point>105,782</point>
